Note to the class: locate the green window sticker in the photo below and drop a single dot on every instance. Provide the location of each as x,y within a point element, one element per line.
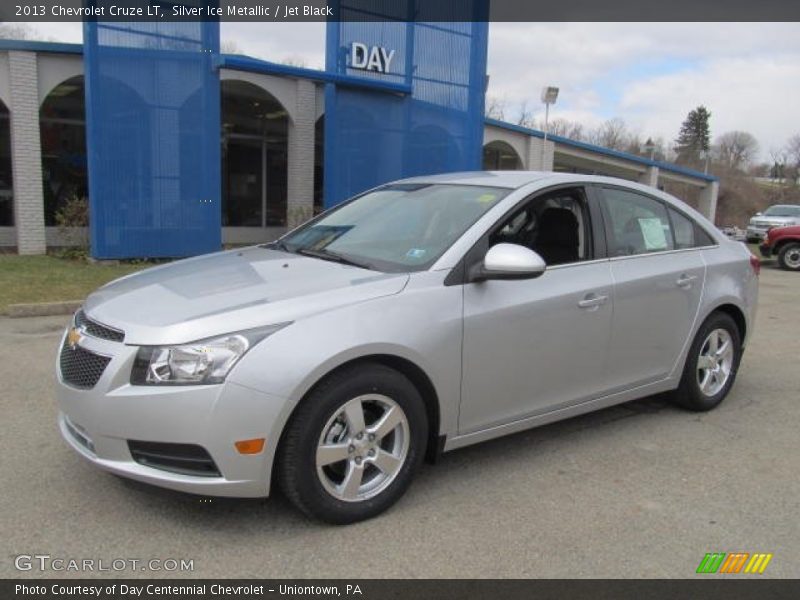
<point>487,198</point>
<point>653,233</point>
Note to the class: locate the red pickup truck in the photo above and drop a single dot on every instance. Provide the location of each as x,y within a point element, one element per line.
<point>783,242</point>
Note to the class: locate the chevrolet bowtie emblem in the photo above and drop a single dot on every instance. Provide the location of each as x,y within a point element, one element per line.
<point>73,337</point>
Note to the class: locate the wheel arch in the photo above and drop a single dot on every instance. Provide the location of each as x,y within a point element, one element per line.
<point>415,374</point>
<point>735,313</point>
<point>784,242</point>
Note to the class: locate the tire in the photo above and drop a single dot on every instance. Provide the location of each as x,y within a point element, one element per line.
<point>789,257</point>
<point>325,427</point>
<point>702,389</point>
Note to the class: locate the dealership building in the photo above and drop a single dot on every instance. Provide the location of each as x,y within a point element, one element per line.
<point>271,155</point>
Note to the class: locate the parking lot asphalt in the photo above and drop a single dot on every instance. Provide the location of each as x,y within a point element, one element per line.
<point>639,490</point>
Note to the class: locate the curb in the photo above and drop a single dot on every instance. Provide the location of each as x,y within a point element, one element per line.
<point>42,309</point>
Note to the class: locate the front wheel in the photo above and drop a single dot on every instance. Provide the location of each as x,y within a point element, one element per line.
<point>789,257</point>
<point>354,444</point>
<point>711,365</point>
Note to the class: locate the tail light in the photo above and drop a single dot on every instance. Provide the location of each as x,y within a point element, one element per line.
<point>756,264</point>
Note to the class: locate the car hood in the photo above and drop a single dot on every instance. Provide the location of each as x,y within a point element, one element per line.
<point>792,230</point>
<point>231,291</point>
<point>773,221</point>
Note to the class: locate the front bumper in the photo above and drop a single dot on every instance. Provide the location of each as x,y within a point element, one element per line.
<point>98,423</point>
<point>766,250</point>
<point>756,233</point>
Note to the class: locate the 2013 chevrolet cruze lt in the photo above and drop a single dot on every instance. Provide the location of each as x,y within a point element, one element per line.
<point>419,317</point>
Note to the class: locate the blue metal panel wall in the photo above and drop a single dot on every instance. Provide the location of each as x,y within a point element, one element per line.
<point>373,137</point>
<point>153,119</point>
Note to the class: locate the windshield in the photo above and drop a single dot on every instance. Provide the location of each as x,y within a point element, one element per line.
<point>397,228</point>
<point>782,211</point>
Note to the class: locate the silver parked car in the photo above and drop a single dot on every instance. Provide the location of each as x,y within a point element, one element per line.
<point>779,215</point>
<point>420,317</point>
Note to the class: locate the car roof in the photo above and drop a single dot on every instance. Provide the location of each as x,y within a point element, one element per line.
<point>516,179</point>
<point>506,179</point>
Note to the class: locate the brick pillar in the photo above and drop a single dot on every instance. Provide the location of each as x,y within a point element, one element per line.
<point>26,153</point>
<point>537,159</point>
<point>300,202</point>
<point>650,177</point>
<point>708,200</point>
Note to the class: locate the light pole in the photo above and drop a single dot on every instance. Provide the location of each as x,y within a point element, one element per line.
<point>650,148</point>
<point>549,96</point>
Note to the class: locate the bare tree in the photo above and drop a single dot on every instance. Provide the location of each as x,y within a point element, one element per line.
<point>229,47</point>
<point>295,61</point>
<point>612,134</point>
<point>735,150</point>
<point>16,31</point>
<point>568,129</point>
<point>793,155</point>
<point>495,108</point>
<point>525,118</point>
<point>780,158</point>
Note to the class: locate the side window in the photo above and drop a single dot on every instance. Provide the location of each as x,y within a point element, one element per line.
<point>637,224</point>
<point>555,225</point>
<point>688,234</point>
<point>684,229</point>
<point>701,237</point>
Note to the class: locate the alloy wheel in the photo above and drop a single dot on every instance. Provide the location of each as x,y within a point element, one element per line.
<point>715,362</point>
<point>362,448</point>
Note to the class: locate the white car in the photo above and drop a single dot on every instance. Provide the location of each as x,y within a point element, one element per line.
<point>779,215</point>
<point>417,318</point>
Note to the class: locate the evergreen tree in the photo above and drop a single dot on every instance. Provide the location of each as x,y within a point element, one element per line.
<point>694,139</point>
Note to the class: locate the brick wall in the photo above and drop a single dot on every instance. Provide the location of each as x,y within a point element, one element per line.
<point>538,160</point>
<point>26,153</point>
<point>300,202</point>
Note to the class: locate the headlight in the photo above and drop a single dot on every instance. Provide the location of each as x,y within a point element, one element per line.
<point>202,362</point>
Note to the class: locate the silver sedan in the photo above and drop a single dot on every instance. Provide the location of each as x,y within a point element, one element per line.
<point>417,318</point>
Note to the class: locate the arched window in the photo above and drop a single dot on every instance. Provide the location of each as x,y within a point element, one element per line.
<point>6,179</point>
<point>500,156</point>
<point>255,147</point>
<point>62,125</point>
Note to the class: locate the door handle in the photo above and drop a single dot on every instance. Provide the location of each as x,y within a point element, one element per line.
<point>592,301</point>
<point>685,281</point>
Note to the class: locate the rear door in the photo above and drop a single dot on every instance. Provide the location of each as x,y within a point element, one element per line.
<point>658,272</point>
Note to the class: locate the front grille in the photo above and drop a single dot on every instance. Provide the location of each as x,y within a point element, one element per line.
<point>81,368</point>
<point>96,329</point>
<point>184,459</point>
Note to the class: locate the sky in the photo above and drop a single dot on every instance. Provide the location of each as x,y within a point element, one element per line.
<point>648,74</point>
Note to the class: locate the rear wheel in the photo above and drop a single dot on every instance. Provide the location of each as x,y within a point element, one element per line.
<point>354,444</point>
<point>711,365</point>
<point>789,257</point>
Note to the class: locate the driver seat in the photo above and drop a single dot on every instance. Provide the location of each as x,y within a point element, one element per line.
<point>558,241</point>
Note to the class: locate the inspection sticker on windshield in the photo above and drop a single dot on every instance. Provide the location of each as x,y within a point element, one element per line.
<point>653,232</point>
<point>415,253</point>
<point>487,198</point>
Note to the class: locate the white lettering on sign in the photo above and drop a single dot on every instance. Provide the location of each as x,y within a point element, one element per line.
<point>374,58</point>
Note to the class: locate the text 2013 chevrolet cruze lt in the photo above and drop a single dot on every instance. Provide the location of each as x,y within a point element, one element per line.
<point>419,317</point>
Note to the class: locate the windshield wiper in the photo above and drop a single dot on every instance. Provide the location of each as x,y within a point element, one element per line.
<point>334,257</point>
<point>278,245</point>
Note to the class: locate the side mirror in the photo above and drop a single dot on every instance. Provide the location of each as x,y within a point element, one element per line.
<point>508,261</point>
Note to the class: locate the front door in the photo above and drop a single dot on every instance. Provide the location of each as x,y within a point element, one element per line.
<point>532,346</point>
